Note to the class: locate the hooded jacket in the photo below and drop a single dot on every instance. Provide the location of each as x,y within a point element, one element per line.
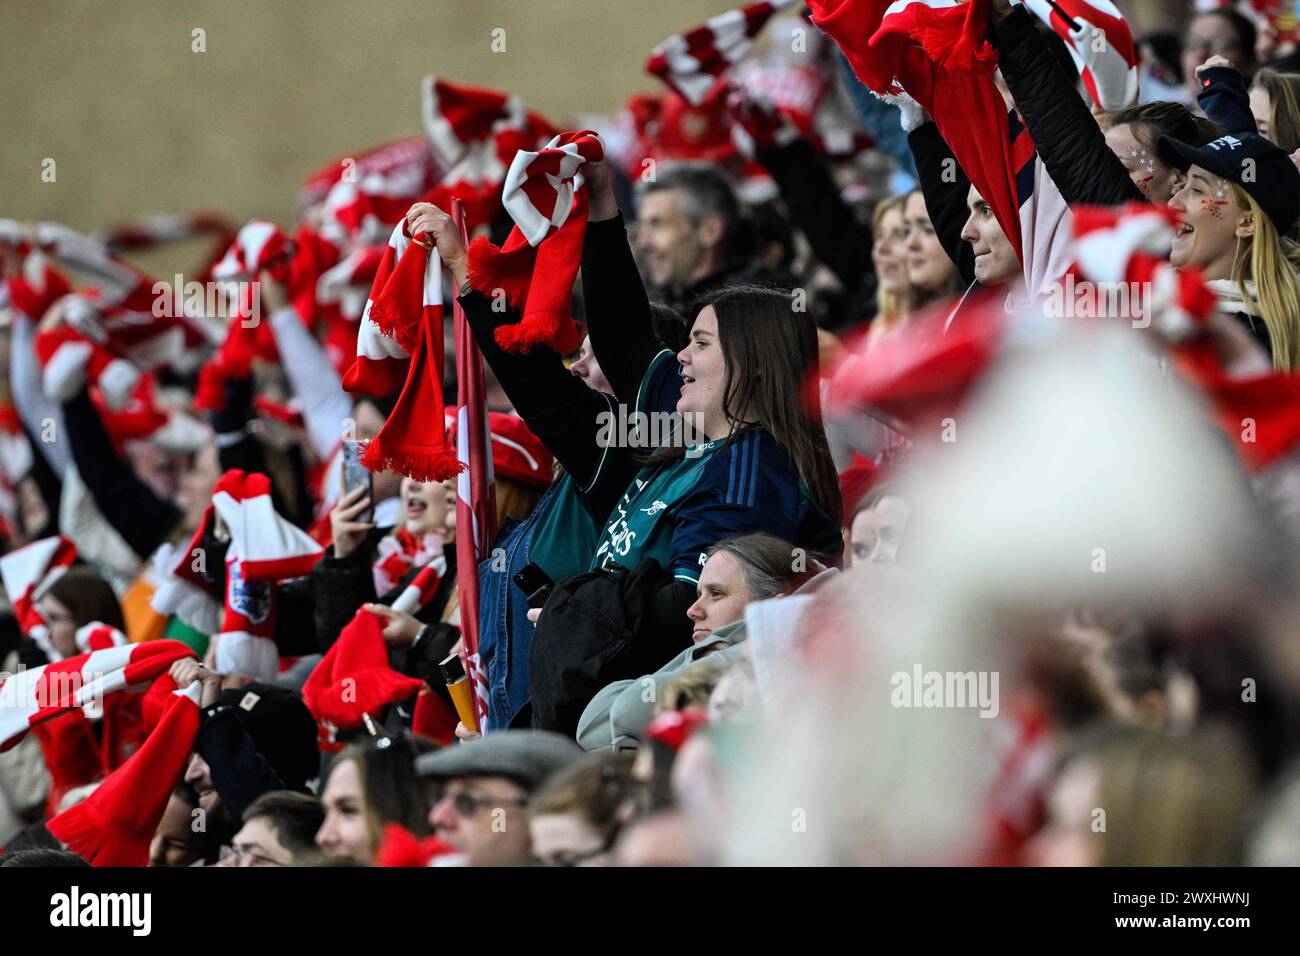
<point>619,714</point>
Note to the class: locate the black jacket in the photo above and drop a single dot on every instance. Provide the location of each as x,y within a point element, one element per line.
<point>1066,136</point>
<point>239,773</point>
<point>595,628</point>
<point>141,517</point>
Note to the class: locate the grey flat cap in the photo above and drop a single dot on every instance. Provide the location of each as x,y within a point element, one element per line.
<point>526,756</point>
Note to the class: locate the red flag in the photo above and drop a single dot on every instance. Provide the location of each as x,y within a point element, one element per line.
<point>476,511</point>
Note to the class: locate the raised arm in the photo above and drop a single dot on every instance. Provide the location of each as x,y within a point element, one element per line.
<point>560,410</point>
<point>1224,96</point>
<point>143,519</point>
<point>614,297</point>
<point>325,405</point>
<point>1066,136</point>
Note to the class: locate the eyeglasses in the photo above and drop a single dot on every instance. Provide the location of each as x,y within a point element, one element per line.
<point>240,856</point>
<point>468,804</point>
<point>575,859</point>
<point>1205,45</point>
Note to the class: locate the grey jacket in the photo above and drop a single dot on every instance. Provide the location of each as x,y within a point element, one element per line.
<point>619,714</point>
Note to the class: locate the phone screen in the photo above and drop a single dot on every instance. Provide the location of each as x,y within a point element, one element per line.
<point>356,475</point>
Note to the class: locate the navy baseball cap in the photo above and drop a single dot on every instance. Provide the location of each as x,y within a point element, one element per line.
<point>1260,167</point>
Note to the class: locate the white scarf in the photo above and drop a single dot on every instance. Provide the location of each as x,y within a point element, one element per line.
<point>1231,299</point>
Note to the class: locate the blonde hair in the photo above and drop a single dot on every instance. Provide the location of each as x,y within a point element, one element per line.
<point>690,687</point>
<point>515,499</point>
<point>1170,800</point>
<point>890,308</point>
<point>1272,263</point>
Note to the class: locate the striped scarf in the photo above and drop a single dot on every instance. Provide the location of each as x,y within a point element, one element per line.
<point>401,551</point>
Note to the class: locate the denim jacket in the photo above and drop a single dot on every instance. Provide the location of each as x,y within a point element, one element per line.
<point>505,633</point>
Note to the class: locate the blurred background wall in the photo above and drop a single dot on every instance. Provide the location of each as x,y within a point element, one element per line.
<point>138,123</point>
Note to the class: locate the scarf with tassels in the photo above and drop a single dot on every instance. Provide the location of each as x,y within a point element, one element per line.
<point>536,267</point>
<point>399,346</point>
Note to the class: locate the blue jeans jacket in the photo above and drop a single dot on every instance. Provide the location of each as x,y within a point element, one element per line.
<point>505,633</point>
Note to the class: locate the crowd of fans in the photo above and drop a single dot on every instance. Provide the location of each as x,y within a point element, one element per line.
<point>925,571</point>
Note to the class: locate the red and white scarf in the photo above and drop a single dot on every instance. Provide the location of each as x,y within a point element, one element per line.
<point>362,208</point>
<point>41,693</point>
<point>115,824</point>
<point>36,285</point>
<point>393,161</point>
<point>1100,44</point>
<point>536,267</point>
<point>70,362</point>
<point>171,227</point>
<point>401,551</point>
<point>259,245</point>
<point>689,62</point>
<point>399,346</point>
<point>264,549</point>
<point>1129,246</point>
<point>125,310</point>
<point>28,573</point>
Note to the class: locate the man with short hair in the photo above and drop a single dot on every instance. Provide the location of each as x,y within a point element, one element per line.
<point>279,830</point>
<point>483,787</point>
<point>690,234</point>
<point>995,256</point>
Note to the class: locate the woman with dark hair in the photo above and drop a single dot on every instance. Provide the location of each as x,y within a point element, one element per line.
<point>79,597</point>
<point>747,454</point>
<point>371,785</point>
<point>1132,136</point>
